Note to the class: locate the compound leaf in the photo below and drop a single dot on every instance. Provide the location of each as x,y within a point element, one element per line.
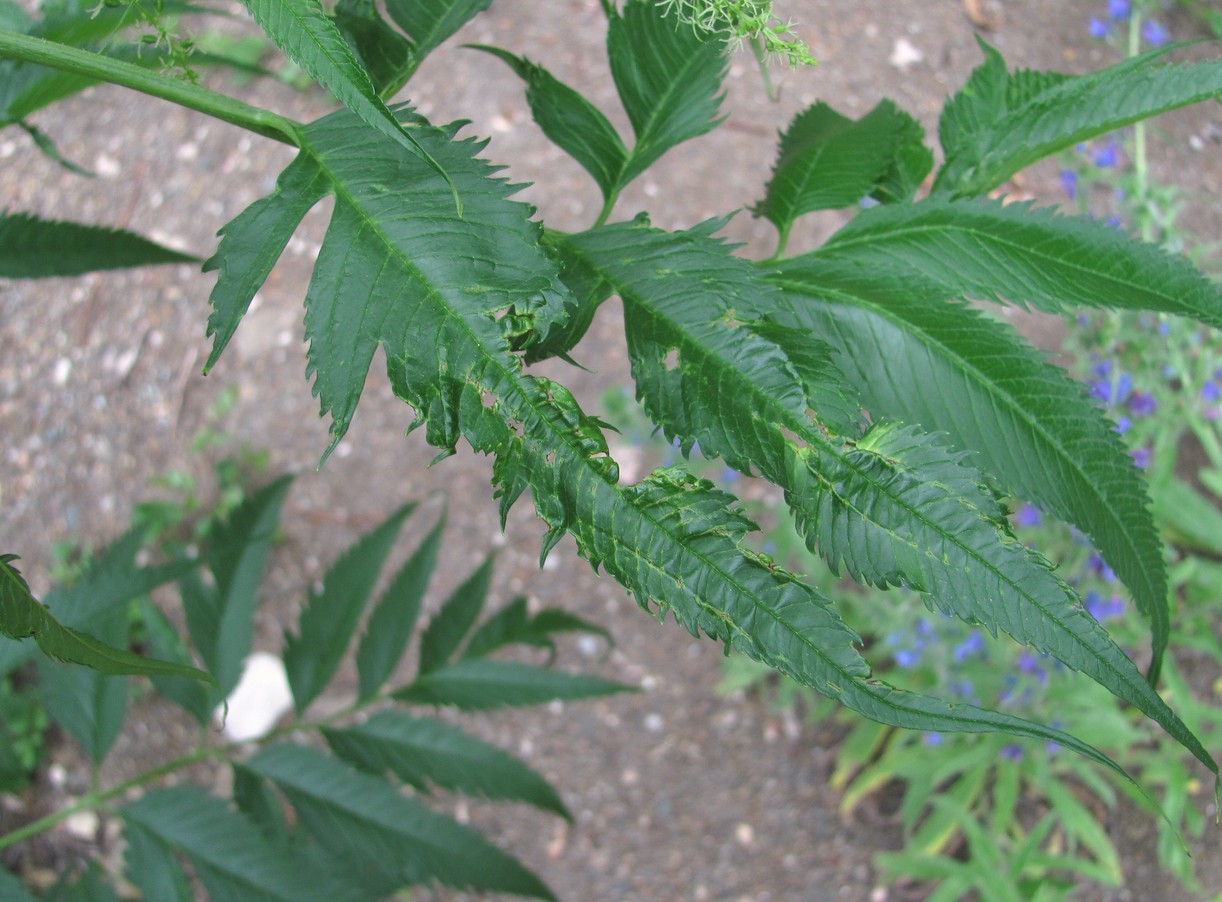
<point>35,248</point>
<point>399,842</point>
<point>916,358</point>
<point>390,625</point>
<point>387,56</point>
<point>429,22</point>
<point>424,752</point>
<point>331,614</point>
<point>889,504</point>
<point>668,73</point>
<point>230,855</point>
<point>1002,122</point>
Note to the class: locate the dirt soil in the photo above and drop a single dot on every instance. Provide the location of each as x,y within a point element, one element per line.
<point>677,792</point>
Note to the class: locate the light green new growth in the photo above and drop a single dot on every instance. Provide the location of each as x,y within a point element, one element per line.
<point>744,19</point>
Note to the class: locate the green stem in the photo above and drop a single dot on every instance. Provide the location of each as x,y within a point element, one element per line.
<point>97,797</point>
<point>102,68</point>
<point>1141,170</point>
<point>608,206</point>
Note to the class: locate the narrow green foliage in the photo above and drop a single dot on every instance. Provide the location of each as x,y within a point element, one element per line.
<point>668,74</point>
<point>87,703</point>
<point>393,839</point>
<point>22,616</point>
<point>513,624</point>
<point>827,161</point>
<point>451,624</point>
<point>151,866</point>
<point>891,505</point>
<point>1013,253</point>
<point>387,56</point>
<point>312,655</point>
<point>310,38</point>
<point>424,752</point>
<point>1002,122</point>
<point>165,641</point>
<point>220,617</point>
<point>228,853</point>
<point>34,248</point>
<point>391,624</point>
<point>481,685</point>
<point>111,580</point>
<point>573,123</point>
<point>915,357</point>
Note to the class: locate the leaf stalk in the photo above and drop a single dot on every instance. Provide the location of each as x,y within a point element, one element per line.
<point>194,97</point>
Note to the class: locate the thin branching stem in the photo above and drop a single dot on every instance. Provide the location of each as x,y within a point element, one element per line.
<point>128,75</point>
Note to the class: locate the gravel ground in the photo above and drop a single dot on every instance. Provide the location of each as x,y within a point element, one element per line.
<point>677,793</point>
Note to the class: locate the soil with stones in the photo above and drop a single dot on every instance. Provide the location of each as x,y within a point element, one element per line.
<point>677,792</point>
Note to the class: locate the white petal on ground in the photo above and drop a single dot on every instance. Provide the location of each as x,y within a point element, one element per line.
<point>261,698</point>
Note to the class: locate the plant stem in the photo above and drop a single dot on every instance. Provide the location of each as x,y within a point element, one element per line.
<point>128,75</point>
<point>1141,171</point>
<point>608,206</point>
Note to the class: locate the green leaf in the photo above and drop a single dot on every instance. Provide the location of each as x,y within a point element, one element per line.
<point>365,821</point>
<point>574,124</point>
<point>429,22</point>
<point>12,889</point>
<point>229,854</point>
<point>258,801</point>
<point>914,357</point>
<point>310,39</point>
<point>390,625</point>
<point>220,617</point>
<point>828,161</point>
<point>386,55</point>
<point>668,74</point>
<point>331,614</point>
<point>891,505</point>
<point>252,242</point>
<point>479,684</point>
<point>1002,122</point>
<point>152,867</point>
<point>167,642</point>
<point>86,703</point>
<point>34,248</point>
<point>451,624</point>
<point>22,616</point>
<point>512,624</point>
<point>1013,253</point>
<point>433,303</point>
<point>111,580</point>
<point>403,261</point>
<point>424,752</point>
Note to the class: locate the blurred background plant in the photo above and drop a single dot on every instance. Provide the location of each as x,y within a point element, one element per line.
<point>1012,819</point>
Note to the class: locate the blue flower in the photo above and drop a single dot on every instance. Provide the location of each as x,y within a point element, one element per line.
<point>1069,182</point>
<point>1104,609</point>
<point>1028,515</point>
<point>1098,28</point>
<point>1154,33</point>
<point>1141,457</point>
<point>1142,404</point>
<point>1122,425</point>
<point>906,658</point>
<point>1210,391</point>
<point>1107,156</point>
<point>1012,752</point>
<point>969,646</point>
<point>729,475</point>
<point>1118,9</point>
<point>932,739</point>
